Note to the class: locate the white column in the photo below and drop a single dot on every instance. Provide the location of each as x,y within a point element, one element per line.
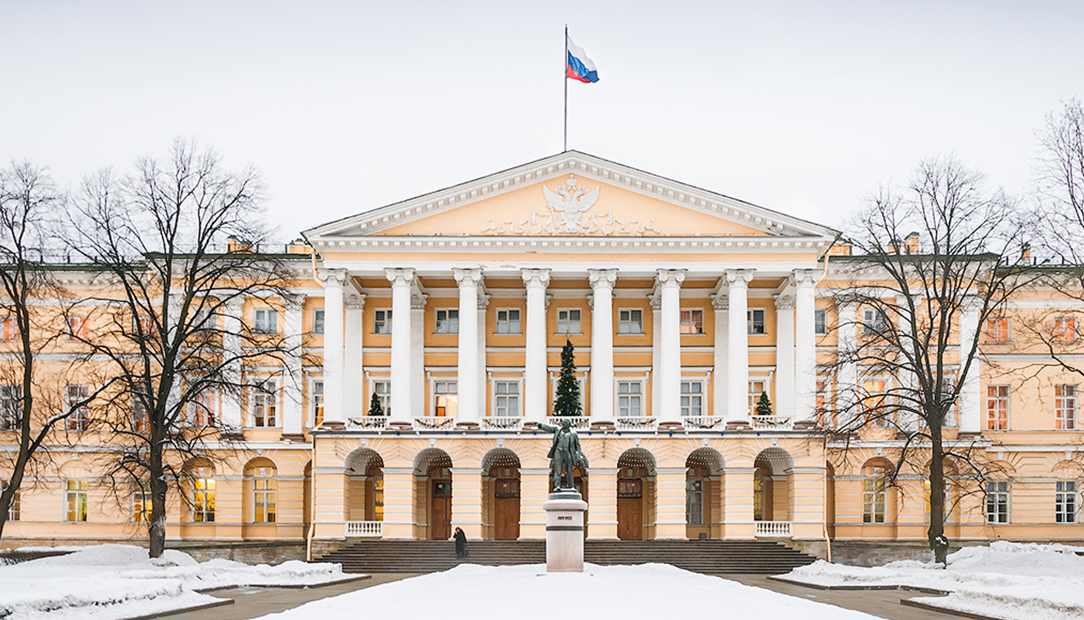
<point>656,352</point>
<point>846,345</point>
<point>969,402</point>
<point>668,382</point>
<point>401,283</point>
<point>784,356</point>
<point>467,377</point>
<point>230,415</point>
<point>534,380</point>
<point>602,344</point>
<point>334,414</point>
<point>805,345</point>
<point>483,377</point>
<point>906,380</point>
<point>721,304</point>
<point>354,394</point>
<point>419,405</point>
<point>293,378</point>
<point>738,344</point>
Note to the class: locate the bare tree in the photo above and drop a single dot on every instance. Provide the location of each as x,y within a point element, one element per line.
<point>939,249</point>
<point>176,245</point>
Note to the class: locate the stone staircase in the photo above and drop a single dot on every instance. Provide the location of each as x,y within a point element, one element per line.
<point>711,557</point>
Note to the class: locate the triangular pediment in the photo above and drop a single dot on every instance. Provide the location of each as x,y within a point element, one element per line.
<point>571,194</point>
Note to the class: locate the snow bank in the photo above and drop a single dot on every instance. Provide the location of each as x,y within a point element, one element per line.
<point>1014,581</point>
<point>650,591</point>
<point>120,581</point>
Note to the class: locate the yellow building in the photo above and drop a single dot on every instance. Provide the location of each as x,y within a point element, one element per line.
<point>683,305</point>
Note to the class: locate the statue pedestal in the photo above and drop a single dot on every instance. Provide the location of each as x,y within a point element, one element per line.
<point>564,532</point>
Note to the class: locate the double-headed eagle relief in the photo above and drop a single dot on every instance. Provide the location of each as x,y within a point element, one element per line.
<point>566,214</point>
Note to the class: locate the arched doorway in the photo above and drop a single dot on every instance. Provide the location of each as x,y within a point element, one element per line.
<point>635,494</point>
<point>500,495</point>
<point>433,493</point>
<point>771,485</point>
<point>703,493</point>
<point>364,471</point>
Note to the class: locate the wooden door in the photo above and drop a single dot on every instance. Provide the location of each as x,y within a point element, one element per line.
<point>630,502</point>
<point>440,516</point>
<point>506,519</point>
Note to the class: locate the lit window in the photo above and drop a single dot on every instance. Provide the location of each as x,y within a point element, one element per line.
<point>1065,407</point>
<point>755,321</point>
<point>997,330</point>
<point>692,321</point>
<point>508,321</point>
<point>692,398</point>
<point>77,328</point>
<point>75,499</point>
<point>141,505</point>
<point>318,321</point>
<point>203,408</point>
<point>9,328</point>
<point>11,406</point>
<point>997,407</point>
<point>820,402</point>
<point>1065,329</point>
<point>820,321</point>
<point>381,321</point>
<point>629,399</point>
<point>316,401</point>
<point>74,402</point>
<point>1065,502</point>
<point>447,321</point>
<point>997,501</point>
<point>568,321</point>
<point>264,491</point>
<point>142,326</point>
<point>873,496</point>
<point>265,321</point>
<point>382,389</point>
<point>630,321</point>
<point>948,498</point>
<point>874,402</point>
<point>265,404</point>
<point>445,398</point>
<point>203,497</point>
<point>506,399</point>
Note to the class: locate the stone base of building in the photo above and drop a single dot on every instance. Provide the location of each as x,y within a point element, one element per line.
<point>249,551</point>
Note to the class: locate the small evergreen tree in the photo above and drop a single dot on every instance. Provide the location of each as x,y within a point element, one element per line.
<point>764,406</point>
<point>567,402</point>
<point>375,408</point>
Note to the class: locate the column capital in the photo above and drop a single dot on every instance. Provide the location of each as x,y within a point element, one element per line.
<point>602,278</point>
<point>784,302</point>
<point>417,301</point>
<point>739,277</point>
<point>535,277</point>
<point>720,301</point>
<point>400,276</point>
<point>483,301</point>
<point>295,301</point>
<point>806,277</point>
<point>655,299</point>
<point>467,276</point>
<point>355,301</point>
<point>670,277</point>
<point>333,277</point>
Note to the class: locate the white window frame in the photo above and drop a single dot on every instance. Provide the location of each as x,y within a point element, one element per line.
<point>449,324</point>
<point>79,420</point>
<point>10,406</point>
<point>1008,330</point>
<point>691,323</point>
<point>269,490</point>
<point>1007,399</point>
<point>505,322</point>
<point>265,321</point>
<point>874,500</point>
<point>1007,492</point>
<point>694,501</point>
<point>496,397</point>
<point>76,327</point>
<point>751,321</point>
<point>141,504</point>
<point>385,397</point>
<point>81,494</point>
<point>318,318</point>
<point>1062,326</point>
<point>1066,408</point>
<point>315,398</point>
<point>874,322</point>
<point>881,421</point>
<point>200,507</point>
<point>640,394</point>
<point>820,321</point>
<point>1066,502</point>
<point>262,393</point>
<point>626,321</point>
<point>16,507</point>
<point>582,381</point>
<point>568,321</point>
<point>382,318</point>
<point>433,396</point>
<point>194,404</point>
<point>686,409</point>
<point>753,398</point>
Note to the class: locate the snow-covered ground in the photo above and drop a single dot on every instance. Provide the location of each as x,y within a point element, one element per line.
<point>1007,580</point>
<point>107,582</point>
<point>650,591</point>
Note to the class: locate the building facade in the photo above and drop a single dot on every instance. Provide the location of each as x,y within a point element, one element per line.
<point>684,306</point>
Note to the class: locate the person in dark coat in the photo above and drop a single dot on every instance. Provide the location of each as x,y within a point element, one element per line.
<point>460,544</point>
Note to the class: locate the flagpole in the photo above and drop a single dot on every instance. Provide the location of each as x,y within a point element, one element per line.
<point>564,75</point>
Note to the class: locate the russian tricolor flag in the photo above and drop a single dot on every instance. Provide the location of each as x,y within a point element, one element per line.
<point>579,66</point>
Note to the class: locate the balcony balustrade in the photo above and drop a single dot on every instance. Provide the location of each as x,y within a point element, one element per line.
<point>773,529</point>
<point>373,529</point>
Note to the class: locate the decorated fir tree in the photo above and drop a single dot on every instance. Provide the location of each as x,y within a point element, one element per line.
<point>764,406</point>
<point>567,402</point>
<point>375,408</point>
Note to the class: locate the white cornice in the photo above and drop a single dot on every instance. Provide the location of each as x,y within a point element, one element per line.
<point>572,244</point>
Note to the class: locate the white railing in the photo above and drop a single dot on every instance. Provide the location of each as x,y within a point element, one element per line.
<point>773,528</point>
<point>368,422</point>
<point>434,423</point>
<point>771,423</point>
<point>635,423</point>
<point>574,421</point>
<point>364,528</point>
<point>703,421</point>
<point>502,423</point>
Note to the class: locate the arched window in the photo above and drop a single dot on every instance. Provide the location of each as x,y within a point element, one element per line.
<point>874,490</point>
<point>260,475</point>
<point>202,475</point>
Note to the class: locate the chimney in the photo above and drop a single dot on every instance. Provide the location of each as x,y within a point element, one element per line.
<point>233,245</point>
<point>911,244</point>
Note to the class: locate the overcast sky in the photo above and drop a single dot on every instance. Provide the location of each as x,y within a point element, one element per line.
<point>803,107</point>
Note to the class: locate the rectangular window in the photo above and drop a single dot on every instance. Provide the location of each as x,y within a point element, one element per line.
<point>630,399</point>
<point>630,321</point>
<point>508,321</point>
<point>756,388</point>
<point>381,321</point>
<point>11,406</point>
<point>77,328</point>
<point>1065,329</point>
<point>1065,502</point>
<point>692,321</point>
<point>568,321</point>
<point>141,421</point>
<point>997,501</point>
<point>203,408</point>
<point>264,492</point>
<point>1065,407</point>
<point>265,321</point>
<point>15,510</point>
<point>142,326</point>
<point>75,500</point>
<point>382,389</point>
<point>948,499</point>
<point>874,322</point>
<point>203,319</point>
<point>874,403</point>
<point>997,330</point>
<point>445,398</point>
<point>203,498</point>
<point>755,321</point>
<point>692,398</point>
<point>873,500</point>
<point>9,328</point>
<point>265,404</point>
<point>447,321</point>
<point>820,402</point>
<point>694,502</point>
<point>316,402</point>
<point>318,321</point>
<point>141,505</point>
<point>820,321</point>
<point>79,418</point>
<point>997,407</point>
<point>506,399</point>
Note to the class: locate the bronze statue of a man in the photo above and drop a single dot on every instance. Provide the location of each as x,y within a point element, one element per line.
<point>565,452</point>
